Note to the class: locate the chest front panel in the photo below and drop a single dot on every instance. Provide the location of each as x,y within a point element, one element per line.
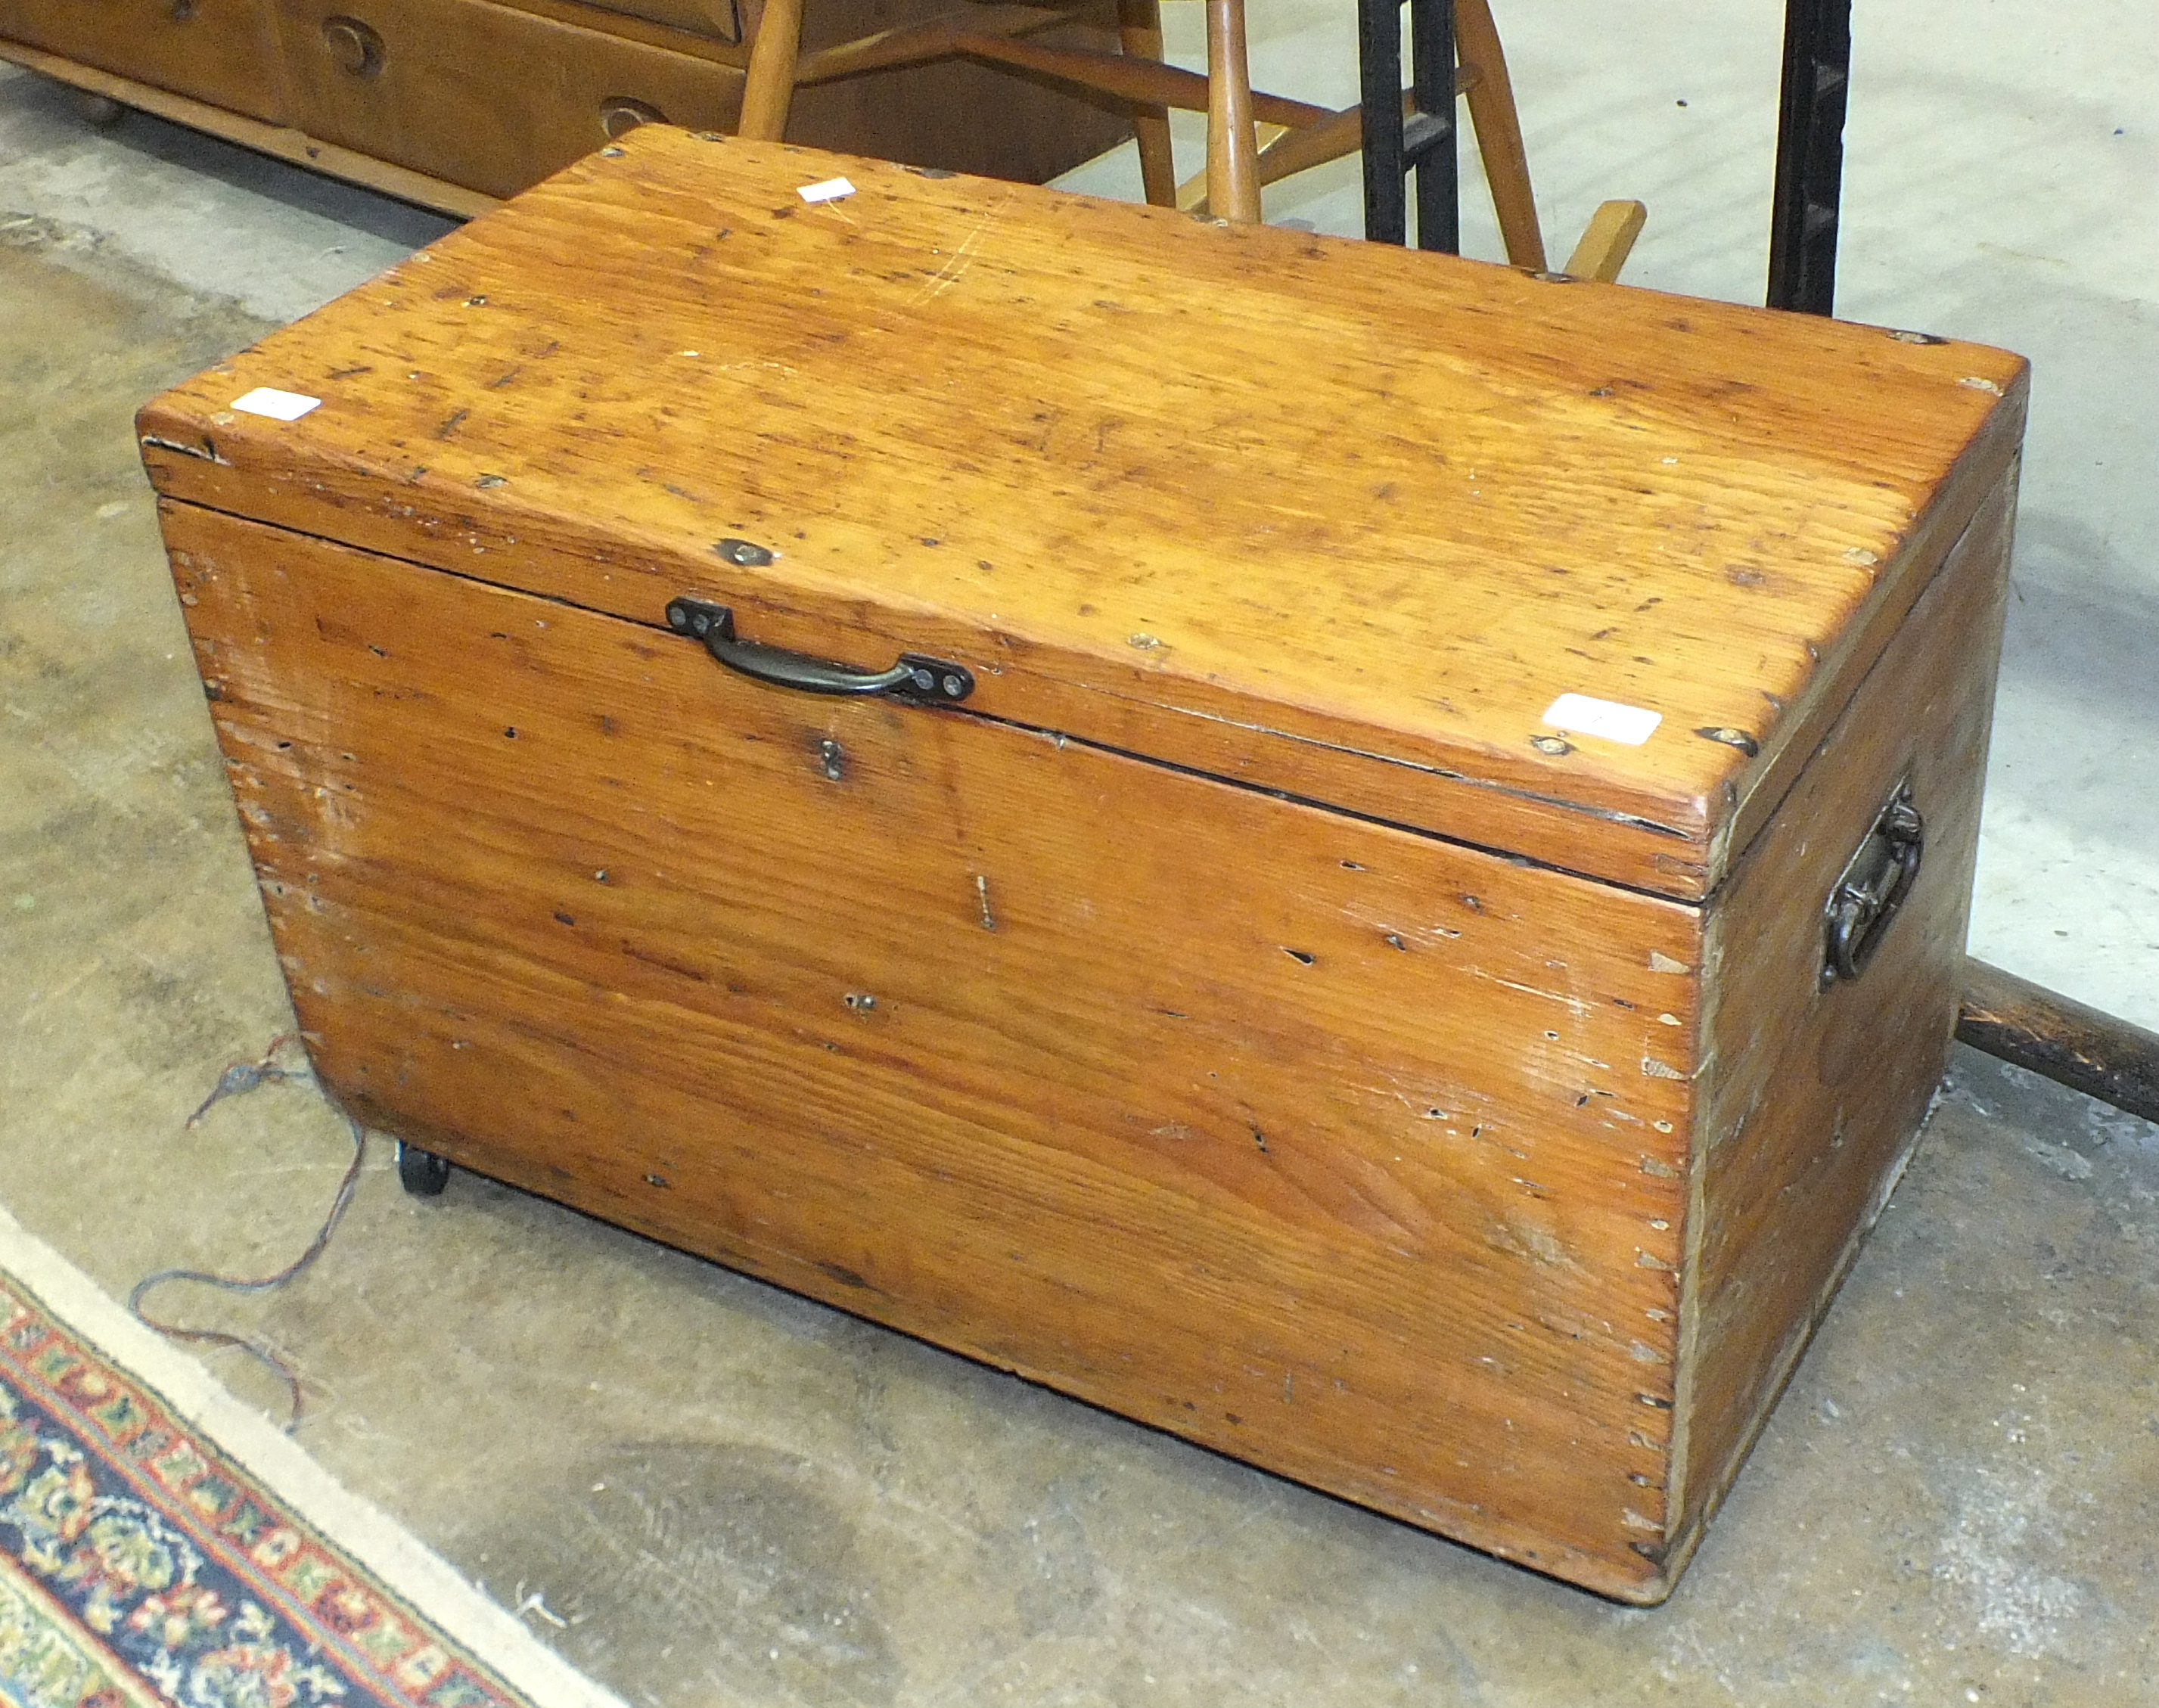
<point>1355,1152</point>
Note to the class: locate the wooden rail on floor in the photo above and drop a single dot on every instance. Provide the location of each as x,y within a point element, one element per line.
<point>2052,1035</point>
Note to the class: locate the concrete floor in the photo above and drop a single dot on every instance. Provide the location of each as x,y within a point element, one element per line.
<point>727,1494</point>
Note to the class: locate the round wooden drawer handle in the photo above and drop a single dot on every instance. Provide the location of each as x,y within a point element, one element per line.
<point>619,113</point>
<point>355,47</point>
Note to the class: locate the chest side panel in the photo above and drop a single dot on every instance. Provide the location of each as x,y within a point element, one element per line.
<point>1349,1151</point>
<point>1813,1093</point>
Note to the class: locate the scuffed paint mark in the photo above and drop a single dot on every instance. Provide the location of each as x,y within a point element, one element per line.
<point>207,453</point>
<point>1520,1236</point>
<point>956,266</point>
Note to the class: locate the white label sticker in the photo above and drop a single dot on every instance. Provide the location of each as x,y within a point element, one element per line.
<point>831,190</point>
<point>278,406</point>
<point>1630,724</point>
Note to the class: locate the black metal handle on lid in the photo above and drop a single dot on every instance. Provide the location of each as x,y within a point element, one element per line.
<point>915,677</point>
<point>1875,881</point>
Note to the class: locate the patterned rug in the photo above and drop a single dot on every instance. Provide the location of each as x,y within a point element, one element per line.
<point>161,1544</point>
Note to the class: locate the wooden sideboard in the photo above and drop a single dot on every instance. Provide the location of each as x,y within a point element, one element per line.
<point>456,104</point>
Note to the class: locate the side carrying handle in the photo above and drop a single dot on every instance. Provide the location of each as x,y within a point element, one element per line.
<point>915,677</point>
<point>1877,878</point>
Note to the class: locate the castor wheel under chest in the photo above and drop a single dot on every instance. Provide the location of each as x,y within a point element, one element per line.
<point>421,1172</point>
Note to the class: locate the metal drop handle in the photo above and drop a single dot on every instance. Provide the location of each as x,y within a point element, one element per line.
<point>915,677</point>
<point>1872,887</point>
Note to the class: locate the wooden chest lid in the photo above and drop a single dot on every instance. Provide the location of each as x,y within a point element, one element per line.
<point>1322,517</point>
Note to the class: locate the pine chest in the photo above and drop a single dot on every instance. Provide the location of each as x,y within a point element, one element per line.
<point>1360,856</point>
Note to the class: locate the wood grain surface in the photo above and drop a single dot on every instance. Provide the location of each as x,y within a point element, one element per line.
<point>1350,1152</point>
<point>1332,518</point>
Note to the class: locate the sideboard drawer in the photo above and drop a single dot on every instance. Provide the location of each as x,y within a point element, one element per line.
<point>216,50</point>
<point>485,96</point>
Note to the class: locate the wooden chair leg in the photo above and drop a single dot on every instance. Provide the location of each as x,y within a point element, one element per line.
<point>1139,30</point>
<point>1192,192</point>
<point>768,90</point>
<point>1233,164</point>
<point>1607,241</point>
<point>1499,133</point>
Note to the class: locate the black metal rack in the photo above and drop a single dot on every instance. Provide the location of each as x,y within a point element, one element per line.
<point>1809,192</point>
<point>1396,146</point>
<point>1805,199</point>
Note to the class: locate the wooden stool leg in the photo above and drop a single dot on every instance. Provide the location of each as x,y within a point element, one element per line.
<point>769,89</point>
<point>1232,151</point>
<point>1499,133</point>
<point>1607,241</point>
<point>1139,29</point>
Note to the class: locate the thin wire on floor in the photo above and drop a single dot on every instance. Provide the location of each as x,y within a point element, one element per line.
<point>238,1078</point>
